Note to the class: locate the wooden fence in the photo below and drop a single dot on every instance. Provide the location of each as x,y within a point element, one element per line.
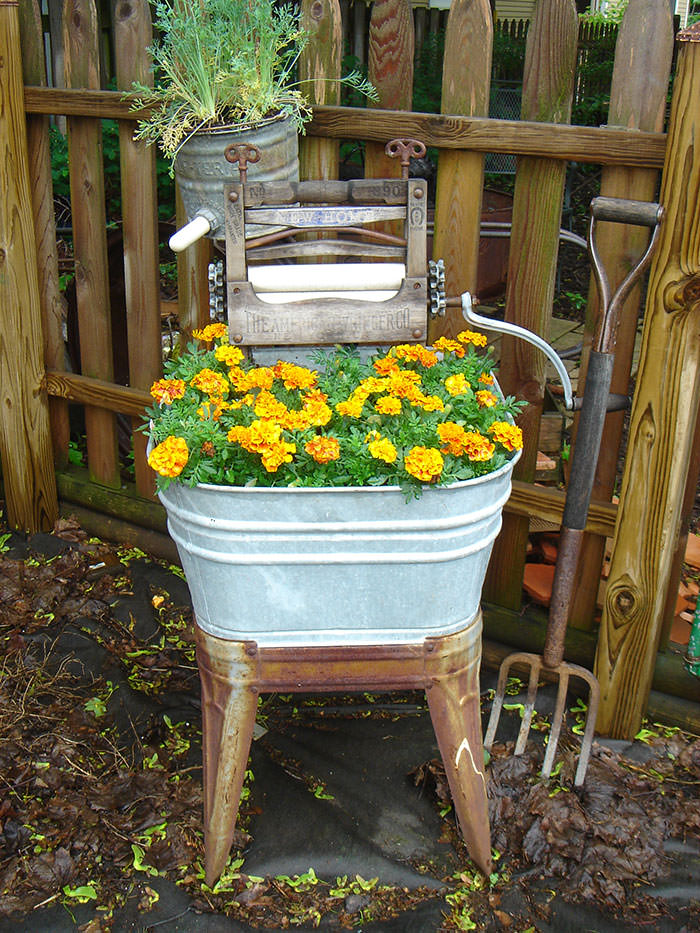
<point>39,395</point>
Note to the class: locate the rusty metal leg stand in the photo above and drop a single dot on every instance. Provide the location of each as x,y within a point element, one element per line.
<point>234,673</point>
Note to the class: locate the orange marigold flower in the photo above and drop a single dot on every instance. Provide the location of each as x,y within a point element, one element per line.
<point>241,402</point>
<point>508,435</point>
<point>267,406</point>
<point>445,345</point>
<point>323,449</point>
<point>472,336</point>
<point>477,447</point>
<point>386,365</point>
<point>425,463</point>
<point>170,457</point>
<point>210,332</point>
<point>210,383</point>
<point>167,390</point>
<point>388,405</point>
<point>296,421</point>
<point>486,398</point>
<point>208,449</point>
<point>212,409</point>
<point>382,449</point>
<point>276,454</point>
<point>453,436</point>
<point>293,376</point>
<point>403,384</point>
<point>229,355</point>
<point>457,384</point>
<point>432,403</point>
<point>415,353</point>
<point>487,379</point>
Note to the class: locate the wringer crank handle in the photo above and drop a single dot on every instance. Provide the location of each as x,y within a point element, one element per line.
<point>244,154</point>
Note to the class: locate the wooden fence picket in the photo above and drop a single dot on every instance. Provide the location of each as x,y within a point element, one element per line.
<point>80,44</point>
<point>548,88</point>
<point>637,102</point>
<point>132,35</point>
<point>466,78</point>
<point>41,186</point>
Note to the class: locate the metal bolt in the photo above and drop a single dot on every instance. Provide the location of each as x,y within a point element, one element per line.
<point>417,333</point>
<point>233,196</point>
<point>238,338</point>
<point>418,193</point>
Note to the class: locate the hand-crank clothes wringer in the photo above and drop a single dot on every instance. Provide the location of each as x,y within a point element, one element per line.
<point>346,588</point>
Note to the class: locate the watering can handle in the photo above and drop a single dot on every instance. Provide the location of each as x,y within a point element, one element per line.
<point>503,327</point>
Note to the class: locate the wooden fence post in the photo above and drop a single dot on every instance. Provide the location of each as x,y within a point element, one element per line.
<point>637,102</point>
<point>390,69</point>
<point>661,426</point>
<point>466,81</point>
<point>319,69</point>
<point>548,88</point>
<point>132,35</point>
<point>25,437</point>
<point>52,303</point>
<point>80,42</point>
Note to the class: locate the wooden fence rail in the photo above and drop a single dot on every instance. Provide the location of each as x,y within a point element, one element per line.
<point>632,153</point>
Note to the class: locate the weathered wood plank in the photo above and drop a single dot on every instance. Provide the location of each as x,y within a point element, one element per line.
<point>25,436</point>
<point>599,145</point>
<point>97,392</point>
<point>661,425</point>
<point>192,279</point>
<point>466,80</point>
<point>548,88</point>
<point>80,40</point>
<point>637,101</point>
<point>390,69</point>
<point>319,70</point>
<point>34,72</point>
<point>132,35</point>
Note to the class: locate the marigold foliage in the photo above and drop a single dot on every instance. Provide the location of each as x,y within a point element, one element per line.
<point>410,417</point>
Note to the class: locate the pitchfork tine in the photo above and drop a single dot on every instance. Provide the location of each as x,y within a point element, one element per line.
<point>557,719</point>
<point>529,708</point>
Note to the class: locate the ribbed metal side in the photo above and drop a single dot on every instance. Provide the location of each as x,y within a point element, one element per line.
<point>202,171</point>
<point>336,566</point>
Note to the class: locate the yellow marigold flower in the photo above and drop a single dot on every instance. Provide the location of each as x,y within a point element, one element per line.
<point>315,395</point>
<point>403,384</point>
<point>212,409</point>
<point>508,435</point>
<point>386,365</point>
<point>486,398</point>
<point>372,384</point>
<point>323,449</point>
<point>241,402</point>
<point>293,376</point>
<point>167,390</point>
<point>317,412</point>
<point>388,405</point>
<point>457,384</point>
<point>169,458</point>
<point>432,403</point>
<point>383,449</point>
<point>229,355</point>
<point>472,336</point>
<point>445,345</point>
<point>453,436</point>
<point>262,378</point>
<point>276,454</point>
<point>238,379</point>
<point>211,332</point>
<point>257,437</point>
<point>351,408</point>
<point>267,406</point>
<point>477,447</point>
<point>425,463</point>
<point>212,384</point>
<point>296,421</point>
<point>487,379</point>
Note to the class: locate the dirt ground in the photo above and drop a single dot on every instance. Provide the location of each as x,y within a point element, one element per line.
<point>346,821</point>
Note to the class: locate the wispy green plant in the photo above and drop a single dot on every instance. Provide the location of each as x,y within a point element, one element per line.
<point>224,62</point>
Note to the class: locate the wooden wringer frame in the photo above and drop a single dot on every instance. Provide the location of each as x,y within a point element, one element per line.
<point>273,301</point>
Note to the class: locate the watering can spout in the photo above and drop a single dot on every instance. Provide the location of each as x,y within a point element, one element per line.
<point>199,226</point>
<point>503,327</point>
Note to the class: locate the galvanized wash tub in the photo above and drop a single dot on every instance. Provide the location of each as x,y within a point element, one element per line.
<point>336,566</point>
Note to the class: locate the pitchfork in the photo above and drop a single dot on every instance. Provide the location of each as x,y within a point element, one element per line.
<point>596,402</point>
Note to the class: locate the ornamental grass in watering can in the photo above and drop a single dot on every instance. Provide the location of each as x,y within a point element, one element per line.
<point>380,482</point>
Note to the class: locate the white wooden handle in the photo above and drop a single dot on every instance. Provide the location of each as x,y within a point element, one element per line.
<point>198,227</point>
